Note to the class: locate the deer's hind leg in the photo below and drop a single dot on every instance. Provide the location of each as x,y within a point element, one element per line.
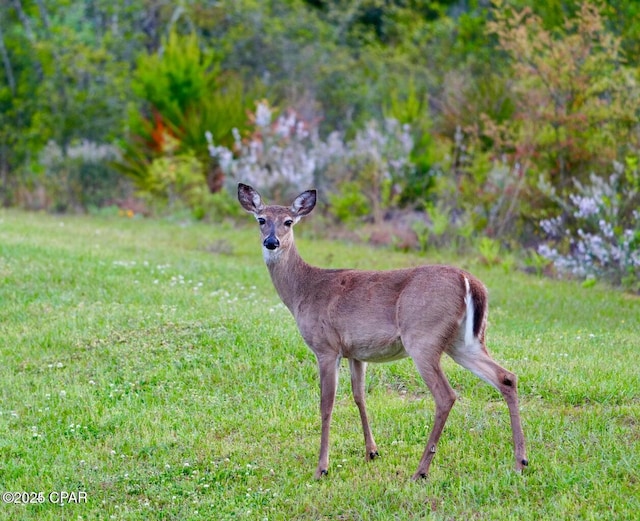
<point>476,358</point>
<point>358,371</point>
<point>427,360</point>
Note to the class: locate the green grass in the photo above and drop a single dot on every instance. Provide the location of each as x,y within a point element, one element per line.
<point>151,365</point>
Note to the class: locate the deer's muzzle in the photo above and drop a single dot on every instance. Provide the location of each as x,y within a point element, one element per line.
<point>271,242</point>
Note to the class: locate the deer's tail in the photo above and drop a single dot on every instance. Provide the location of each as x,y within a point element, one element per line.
<point>476,317</point>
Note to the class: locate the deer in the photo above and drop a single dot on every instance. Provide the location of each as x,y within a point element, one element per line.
<point>381,316</point>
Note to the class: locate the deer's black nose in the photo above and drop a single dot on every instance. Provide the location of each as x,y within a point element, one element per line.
<point>271,242</point>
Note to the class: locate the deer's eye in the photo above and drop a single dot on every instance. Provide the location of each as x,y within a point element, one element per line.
<point>288,223</point>
<point>261,221</point>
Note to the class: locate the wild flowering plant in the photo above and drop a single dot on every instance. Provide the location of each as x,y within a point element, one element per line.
<point>287,153</point>
<point>598,234</point>
<point>277,155</point>
<point>365,176</point>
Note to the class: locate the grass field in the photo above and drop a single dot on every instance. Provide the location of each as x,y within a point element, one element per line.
<point>150,366</point>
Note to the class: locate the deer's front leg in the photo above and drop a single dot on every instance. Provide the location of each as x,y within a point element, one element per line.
<point>328,366</point>
<point>358,371</point>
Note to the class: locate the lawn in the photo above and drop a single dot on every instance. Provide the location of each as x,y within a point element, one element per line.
<point>149,371</point>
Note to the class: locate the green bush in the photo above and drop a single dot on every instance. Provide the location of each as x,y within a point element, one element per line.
<point>348,204</point>
<point>183,96</point>
<point>411,108</point>
<point>79,178</point>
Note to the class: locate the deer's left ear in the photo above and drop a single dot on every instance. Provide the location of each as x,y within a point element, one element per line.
<point>304,203</point>
<point>250,199</point>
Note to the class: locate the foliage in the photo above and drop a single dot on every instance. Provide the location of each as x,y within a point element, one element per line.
<point>65,82</point>
<point>569,106</point>
<point>442,228</point>
<point>79,178</point>
<point>277,156</point>
<point>184,95</point>
<point>378,160</point>
<point>180,74</point>
<point>577,103</point>
<point>490,190</point>
<point>489,250</point>
<point>348,204</point>
<point>598,234</point>
<point>287,154</point>
<point>177,179</point>
<point>185,98</point>
<point>494,95</point>
<point>301,58</point>
<point>412,109</point>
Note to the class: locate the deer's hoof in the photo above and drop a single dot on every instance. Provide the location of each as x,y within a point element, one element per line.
<point>520,465</point>
<point>320,473</point>
<point>419,476</point>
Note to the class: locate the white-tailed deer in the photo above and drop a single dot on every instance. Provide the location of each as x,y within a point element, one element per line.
<point>379,316</point>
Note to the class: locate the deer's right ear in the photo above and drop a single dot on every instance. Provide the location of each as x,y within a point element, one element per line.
<point>304,203</point>
<point>249,199</point>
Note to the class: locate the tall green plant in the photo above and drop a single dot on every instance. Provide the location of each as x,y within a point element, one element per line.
<point>178,76</point>
<point>412,108</point>
<point>183,95</point>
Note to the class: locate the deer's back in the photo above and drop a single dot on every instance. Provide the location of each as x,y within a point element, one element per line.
<point>365,314</point>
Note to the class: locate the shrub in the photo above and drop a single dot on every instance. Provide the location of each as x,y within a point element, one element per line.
<point>576,101</point>
<point>491,189</point>
<point>443,227</point>
<point>379,161</point>
<point>177,180</point>
<point>183,96</point>
<point>412,109</point>
<point>349,205</point>
<point>277,156</point>
<point>288,155</point>
<point>598,234</point>
<point>80,177</point>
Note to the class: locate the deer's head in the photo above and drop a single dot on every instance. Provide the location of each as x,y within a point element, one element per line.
<point>276,222</point>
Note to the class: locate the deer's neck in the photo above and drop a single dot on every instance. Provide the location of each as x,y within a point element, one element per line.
<point>288,272</point>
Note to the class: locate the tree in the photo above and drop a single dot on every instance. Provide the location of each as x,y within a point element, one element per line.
<point>65,83</point>
<point>577,102</point>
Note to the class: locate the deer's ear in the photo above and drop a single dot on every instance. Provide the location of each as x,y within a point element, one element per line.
<point>304,203</point>
<point>249,199</point>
